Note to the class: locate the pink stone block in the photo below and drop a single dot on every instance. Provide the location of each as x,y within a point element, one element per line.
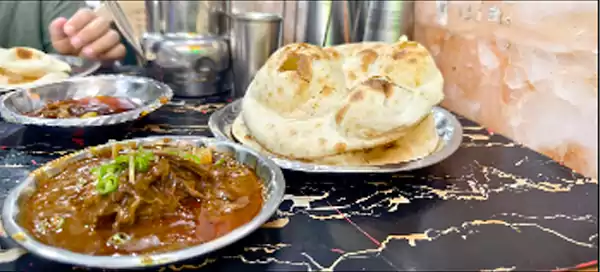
<point>524,69</point>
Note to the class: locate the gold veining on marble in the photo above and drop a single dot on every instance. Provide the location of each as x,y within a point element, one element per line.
<point>276,223</point>
<point>432,234</point>
<point>472,128</point>
<point>480,189</point>
<point>477,137</point>
<point>303,201</point>
<point>521,161</point>
<point>586,218</point>
<point>51,153</point>
<point>267,248</point>
<point>499,269</point>
<point>204,108</point>
<point>269,260</point>
<point>168,128</point>
<point>206,262</point>
<point>490,144</point>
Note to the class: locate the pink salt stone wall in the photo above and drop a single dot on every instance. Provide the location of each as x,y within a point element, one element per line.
<point>528,70</point>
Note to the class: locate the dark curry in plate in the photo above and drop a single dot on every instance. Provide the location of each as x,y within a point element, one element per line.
<point>132,200</point>
<point>86,107</point>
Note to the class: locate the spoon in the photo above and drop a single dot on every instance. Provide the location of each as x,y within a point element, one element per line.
<point>126,29</point>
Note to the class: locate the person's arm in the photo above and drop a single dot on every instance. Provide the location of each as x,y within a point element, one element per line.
<point>52,10</point>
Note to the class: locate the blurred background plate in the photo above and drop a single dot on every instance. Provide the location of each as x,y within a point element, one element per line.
<point>145,92</point>
<point>80,67</point>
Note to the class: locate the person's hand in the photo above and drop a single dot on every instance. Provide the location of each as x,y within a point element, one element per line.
<point>88,35</point>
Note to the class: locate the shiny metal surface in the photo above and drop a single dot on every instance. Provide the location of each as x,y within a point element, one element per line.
<point>199,17</point>
<point>266,170</point>
<point>154,16</point>
<point>194,65</point>
<point>387,20</point>
<point>80,67</point>
<point>126,29</point>
<point>146,92</point>
<point>448,128</point>
<point>358,11</point>
<point>327,23</point>
<point>254,37</point>
<point>150,42</point>
<point>219,23</point>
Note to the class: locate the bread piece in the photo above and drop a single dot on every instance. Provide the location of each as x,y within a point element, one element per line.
<point>309,102</point>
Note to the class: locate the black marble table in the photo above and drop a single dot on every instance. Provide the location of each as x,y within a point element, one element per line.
<point>493,205</point>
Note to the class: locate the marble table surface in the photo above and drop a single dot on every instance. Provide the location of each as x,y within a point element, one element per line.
<point>493,205</point>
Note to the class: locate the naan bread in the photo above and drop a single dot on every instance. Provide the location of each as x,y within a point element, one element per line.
<point>24,67</point>
<point>30,62</point>
<point>309,103</point>
<point>421,141</point>
<point>5,81</point>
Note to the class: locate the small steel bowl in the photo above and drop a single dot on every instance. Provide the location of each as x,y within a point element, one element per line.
<point>146,92</point>
<point>265,169</point>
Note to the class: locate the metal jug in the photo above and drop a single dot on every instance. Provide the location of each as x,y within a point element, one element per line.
<point>198,17</point>
<point>336,22</point>
<point>204,18</point>
<point>386,21</point>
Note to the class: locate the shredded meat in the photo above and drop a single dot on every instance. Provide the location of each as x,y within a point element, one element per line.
<point>174,202</point>
<point>84,108</point>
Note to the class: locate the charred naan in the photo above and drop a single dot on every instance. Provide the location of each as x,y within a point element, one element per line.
<point>421,141</point>
<point>348,104</point>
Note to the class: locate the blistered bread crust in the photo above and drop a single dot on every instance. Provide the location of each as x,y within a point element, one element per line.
<point>309,102</point>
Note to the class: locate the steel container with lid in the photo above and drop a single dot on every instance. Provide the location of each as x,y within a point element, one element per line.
<point>193,65</point>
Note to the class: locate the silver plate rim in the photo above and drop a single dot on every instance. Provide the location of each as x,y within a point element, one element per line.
<point>449,148</point>
<point>270,206</point>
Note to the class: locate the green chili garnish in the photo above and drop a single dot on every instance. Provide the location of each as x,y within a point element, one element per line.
<point>107,184</point>
<point>191,157</point>
<point>142,160</point>
<point>220,161</point>
<point>118,239</point>
<point>107,175</point>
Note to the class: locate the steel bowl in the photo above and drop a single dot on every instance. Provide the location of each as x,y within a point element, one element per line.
<point>265,169</point>
<point>148,93</point>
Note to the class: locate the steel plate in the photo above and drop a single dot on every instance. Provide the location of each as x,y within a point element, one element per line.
<point>147,93</point>
<point>265,169</point>
<point>448,128</point>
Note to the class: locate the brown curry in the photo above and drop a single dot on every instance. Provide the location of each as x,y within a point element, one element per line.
<point>132,200</point>
<point>85,107</point>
